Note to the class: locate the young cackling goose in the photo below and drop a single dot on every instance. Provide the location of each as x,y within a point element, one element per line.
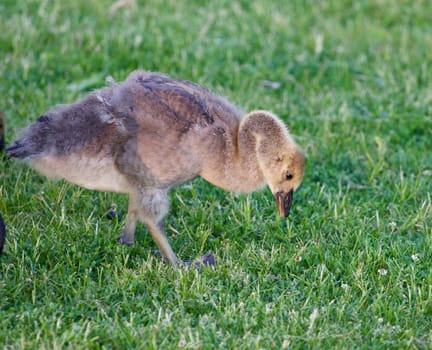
<point>150,133</point>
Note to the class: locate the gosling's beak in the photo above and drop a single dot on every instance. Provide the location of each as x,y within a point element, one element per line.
<point>284,201</point>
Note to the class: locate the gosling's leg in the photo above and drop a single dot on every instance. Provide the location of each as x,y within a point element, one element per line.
<point>128,233</point>
<point>151,206</point>
<point>154,207</point>
<point>158,234</point>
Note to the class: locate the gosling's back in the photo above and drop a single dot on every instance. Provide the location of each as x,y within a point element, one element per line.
<point>150,130</point>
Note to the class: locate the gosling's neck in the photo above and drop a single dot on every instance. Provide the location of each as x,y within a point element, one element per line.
<point>239,168</point>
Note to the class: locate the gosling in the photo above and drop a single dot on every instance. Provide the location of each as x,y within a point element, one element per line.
<point>151,133</point>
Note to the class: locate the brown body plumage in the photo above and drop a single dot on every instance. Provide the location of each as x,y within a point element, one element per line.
<point>151,133</point>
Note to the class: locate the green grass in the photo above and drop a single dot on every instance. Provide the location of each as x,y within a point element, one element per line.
<point>351,267</point>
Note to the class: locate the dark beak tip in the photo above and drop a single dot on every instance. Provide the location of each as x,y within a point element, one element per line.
<point>284,202</point>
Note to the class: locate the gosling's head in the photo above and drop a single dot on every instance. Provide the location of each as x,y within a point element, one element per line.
<point>281,161</point>
<point>285,176</point>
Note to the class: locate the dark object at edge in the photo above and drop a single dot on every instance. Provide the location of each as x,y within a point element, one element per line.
<point>2,131</point>
<point>2,234</point>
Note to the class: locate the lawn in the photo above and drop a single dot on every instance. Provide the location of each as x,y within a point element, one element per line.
<point>351,266</point>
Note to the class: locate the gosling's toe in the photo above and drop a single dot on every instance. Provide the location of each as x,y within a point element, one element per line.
<point>125,239</point>
<point>204,260</point>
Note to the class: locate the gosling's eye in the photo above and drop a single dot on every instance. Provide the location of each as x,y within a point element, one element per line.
<point>289,176</point>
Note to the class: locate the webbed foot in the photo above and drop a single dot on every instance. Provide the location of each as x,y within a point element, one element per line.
<point>204,260</point>
<point>127,240</point>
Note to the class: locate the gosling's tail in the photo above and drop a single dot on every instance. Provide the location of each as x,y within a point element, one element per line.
<point>18,149</point>
<point>35,140</point>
